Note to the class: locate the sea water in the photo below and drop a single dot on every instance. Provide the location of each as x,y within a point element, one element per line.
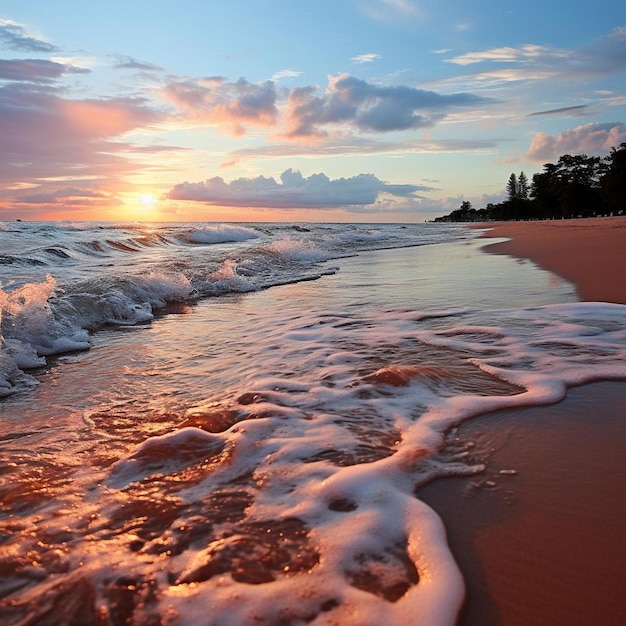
<point>229,424</point>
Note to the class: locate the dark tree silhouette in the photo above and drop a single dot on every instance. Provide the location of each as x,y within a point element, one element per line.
<point>522,186</point>
<point>613,183</point>
<point>575,186</point>
<point>511,187</point>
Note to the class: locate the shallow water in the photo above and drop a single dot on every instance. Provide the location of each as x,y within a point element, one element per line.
<point>256,456</point>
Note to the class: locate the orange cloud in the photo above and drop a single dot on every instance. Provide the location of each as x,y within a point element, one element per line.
<point>104,119</point>
<point>49,143</point>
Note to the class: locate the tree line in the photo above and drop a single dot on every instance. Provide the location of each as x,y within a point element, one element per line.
<point>576,186</point>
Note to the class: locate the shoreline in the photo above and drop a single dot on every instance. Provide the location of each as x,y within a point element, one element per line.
<point>589,252</point>
<point>539,535</point>
<point>542,542</point>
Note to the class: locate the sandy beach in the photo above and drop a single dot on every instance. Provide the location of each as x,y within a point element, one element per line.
<point>590,253</point>
<point>540,537</point>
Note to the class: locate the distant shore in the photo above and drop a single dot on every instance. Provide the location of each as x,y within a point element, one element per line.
<point>590,253</point>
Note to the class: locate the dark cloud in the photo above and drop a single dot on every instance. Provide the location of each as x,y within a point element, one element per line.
<point>293,191</point>
<point>368,108</point>
<point>48,139</point>
<point>14,37</point>
<point>580,109</point>
<point>347,101</point>
<point>35,70</point>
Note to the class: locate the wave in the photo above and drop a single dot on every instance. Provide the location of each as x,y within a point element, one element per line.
<point>220,233</point>
<point>43,319</point>
<point>40,320</point>
<point>299,250</point>
<point>60,282</point>
<point>7,259</point>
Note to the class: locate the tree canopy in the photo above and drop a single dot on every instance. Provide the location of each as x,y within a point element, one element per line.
<point>576,186</point>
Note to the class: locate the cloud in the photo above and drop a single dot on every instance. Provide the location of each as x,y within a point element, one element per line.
<point>285,74</point>
<point>81,62</point>
<point>524,74</point>
<point>510,54</point>
<point>14,37</point>
<point>128,63</point>
<point>45,136</point>
<point>591,139</point>
<point>306,113</point>
<point>35,70</point>
<point>368,108</point>
<point>361,146</point>
<point>573,111</point>
<point>60,196</point>
<point>603,56</point>
<point>293,191</point>
<point>606,55</point>
<point>369,57</point>
<point>213,100</point>
<point>153,149</point>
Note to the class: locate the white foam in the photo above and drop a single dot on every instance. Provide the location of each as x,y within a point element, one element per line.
<point>381,492</point>
<point>383,509</point>
<point>293,446</point>
<point>221,233</point>
<point>226,279</point>
<point>298,250</point>
<point>158,288</point>
<point>39,320</point>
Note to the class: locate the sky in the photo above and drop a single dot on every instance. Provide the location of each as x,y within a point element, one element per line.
<point>286,110</point>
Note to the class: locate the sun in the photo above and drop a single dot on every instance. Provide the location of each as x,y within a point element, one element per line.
<point>148,200</point>
<point>142,205</point>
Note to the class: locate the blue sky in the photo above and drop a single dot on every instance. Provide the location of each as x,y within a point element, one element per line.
<point>352,110</point>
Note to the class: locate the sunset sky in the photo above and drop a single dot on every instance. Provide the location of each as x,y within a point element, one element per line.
<point>272,110</point>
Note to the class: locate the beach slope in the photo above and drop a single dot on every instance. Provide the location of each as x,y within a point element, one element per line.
<point>590,253</point>
<point>546,546</point>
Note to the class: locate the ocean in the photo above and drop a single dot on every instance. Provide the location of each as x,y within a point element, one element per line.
<point>229,424</point>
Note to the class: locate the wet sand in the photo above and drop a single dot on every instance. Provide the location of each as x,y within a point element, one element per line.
<point>590,253</point>
<point>540,536</point>
<point>544,546</point>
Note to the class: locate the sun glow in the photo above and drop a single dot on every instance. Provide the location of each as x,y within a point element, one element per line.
<point>143,206</point>
<point>148,200</point>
